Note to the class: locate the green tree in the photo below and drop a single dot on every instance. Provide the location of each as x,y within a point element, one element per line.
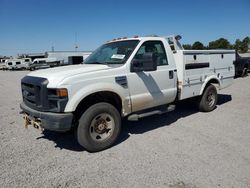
<point>237,45</point>
<point>187,46</point>
<point>244,45</point>
<point>221,43</point>
<point>198,46</point>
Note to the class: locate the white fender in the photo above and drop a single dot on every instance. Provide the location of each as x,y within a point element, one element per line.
<point>209,78</point>
<point>77,97</point>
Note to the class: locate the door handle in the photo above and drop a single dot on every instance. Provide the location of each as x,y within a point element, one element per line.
<point>171,74</point>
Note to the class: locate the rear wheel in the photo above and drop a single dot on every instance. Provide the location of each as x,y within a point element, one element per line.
<point>244,72</point>
<point>99,127</point>
<point>208,99</point>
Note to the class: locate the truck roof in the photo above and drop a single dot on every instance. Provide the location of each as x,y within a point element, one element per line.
<point>135,38</point>
<point>173,40</point>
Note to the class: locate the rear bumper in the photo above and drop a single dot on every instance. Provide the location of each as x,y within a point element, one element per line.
<point>49,120</point>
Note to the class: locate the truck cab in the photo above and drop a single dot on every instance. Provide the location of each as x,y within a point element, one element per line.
<point>124,78</point>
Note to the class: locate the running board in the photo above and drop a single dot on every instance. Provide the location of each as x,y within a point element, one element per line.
<point>136,117</point>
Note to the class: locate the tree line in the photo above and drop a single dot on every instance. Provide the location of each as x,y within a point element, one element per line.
<point>241,46</point>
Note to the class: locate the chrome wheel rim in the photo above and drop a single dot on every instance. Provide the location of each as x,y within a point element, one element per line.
<point>102,127</point>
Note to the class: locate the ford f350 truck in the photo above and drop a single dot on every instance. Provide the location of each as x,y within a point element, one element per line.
<point>124,78</point>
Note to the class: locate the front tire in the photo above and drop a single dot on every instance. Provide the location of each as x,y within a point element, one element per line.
<point>208,99</point>
<point>99,127</point>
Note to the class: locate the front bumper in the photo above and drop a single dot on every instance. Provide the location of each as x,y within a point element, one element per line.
<point>49,120</point>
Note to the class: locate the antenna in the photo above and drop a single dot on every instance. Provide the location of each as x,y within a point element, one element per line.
<point>76,46</point>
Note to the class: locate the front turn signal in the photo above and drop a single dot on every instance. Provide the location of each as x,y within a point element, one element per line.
<point>62,92</point>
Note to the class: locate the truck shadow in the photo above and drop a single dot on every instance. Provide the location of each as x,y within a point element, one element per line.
<point>183,109</point>
<point>223,98</point>
<point>62,140</point>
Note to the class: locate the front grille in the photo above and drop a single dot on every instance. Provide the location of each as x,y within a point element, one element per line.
<point>38,97</point>
<point>31,93</point>
<point>34,91</point>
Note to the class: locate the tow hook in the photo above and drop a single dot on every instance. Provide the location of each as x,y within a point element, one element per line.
<point>34,122</point>
<point>26,120</point>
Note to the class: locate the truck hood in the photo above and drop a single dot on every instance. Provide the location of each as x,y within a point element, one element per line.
<point>56,75</point>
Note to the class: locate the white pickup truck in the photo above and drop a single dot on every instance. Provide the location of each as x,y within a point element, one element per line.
<point>125,78</point>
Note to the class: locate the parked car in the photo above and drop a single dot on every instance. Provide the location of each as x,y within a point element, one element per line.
<point>125,78</point>
<point>43,63</point>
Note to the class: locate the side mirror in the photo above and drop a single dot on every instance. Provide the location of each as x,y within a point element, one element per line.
<point>146,63</point>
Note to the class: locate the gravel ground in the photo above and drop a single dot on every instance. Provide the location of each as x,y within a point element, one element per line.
<point>181,149</point>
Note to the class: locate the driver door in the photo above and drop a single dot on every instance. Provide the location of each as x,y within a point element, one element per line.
<point>152,88</point>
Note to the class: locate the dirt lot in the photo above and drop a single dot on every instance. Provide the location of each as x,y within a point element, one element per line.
<point>184,148</point>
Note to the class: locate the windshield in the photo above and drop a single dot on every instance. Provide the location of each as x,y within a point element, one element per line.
<point>112,53</point>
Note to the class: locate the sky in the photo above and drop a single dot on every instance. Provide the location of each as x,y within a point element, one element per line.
<point>30,26</point>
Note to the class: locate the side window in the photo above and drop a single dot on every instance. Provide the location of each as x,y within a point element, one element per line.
<point>41,62</point>
<point>155,47</point>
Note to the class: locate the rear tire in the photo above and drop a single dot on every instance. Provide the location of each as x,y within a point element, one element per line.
<point>208,100</point>
<point>99,127</point>
<point>244,72</point>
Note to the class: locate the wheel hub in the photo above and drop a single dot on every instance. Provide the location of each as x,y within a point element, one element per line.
<point>100,126</point>
<point>210,99</point>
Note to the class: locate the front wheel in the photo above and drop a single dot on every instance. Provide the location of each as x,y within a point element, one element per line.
<point>208,99</point>
<point>99,127</point>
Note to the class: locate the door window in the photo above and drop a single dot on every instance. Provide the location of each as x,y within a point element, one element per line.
<point>155,47</point>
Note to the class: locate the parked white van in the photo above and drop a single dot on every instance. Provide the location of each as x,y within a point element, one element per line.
<point>17,64</point>
<point>23,63</point>
<point>10,64</point>
<point>2,64</point>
